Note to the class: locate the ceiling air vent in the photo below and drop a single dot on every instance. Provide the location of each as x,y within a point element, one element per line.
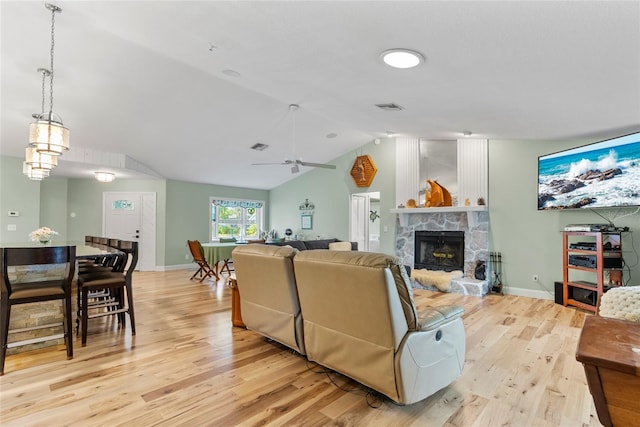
<point>390,107</point>
<point>258,146</point>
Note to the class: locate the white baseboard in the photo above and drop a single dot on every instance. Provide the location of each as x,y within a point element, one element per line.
<point>532,293</point>
<point>190,266</point>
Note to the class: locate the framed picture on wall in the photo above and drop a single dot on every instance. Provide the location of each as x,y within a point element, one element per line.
<point>307,222</point>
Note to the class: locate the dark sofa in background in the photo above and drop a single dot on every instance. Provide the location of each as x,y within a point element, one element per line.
<point>303,245</point>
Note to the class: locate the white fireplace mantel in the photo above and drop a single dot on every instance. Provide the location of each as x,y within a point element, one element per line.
<point>440,209</point>
<point>404,213</point>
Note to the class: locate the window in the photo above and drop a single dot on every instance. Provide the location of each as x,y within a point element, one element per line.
<point>233,218</point>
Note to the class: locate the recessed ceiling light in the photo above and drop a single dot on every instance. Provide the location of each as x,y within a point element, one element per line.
<point>467,133</point>
<point>402,58</point>
<point>332,135</point>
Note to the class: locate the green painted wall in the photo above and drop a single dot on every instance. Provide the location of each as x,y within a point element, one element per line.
<point>17,193</point>
<point>329,190</point>
<point>85,204</point>
<point>187,213</point>
<point>531,240</point>
<point>53,206</point>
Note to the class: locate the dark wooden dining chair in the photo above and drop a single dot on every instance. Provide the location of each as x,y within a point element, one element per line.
<point>204,269</point>
<point>101,266</point>
<point>48,288</point>
<point>109,293</point>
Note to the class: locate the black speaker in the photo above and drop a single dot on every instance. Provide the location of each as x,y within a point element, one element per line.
<point>559,290</point>
<point>585,295</point>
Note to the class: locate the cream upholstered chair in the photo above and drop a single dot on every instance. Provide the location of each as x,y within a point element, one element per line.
<point>360,320</point>
<point>268,293</point>
<point>340,246</point>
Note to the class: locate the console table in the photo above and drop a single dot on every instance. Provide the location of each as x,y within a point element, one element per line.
<point>609,350</point>
<point>236,314</point>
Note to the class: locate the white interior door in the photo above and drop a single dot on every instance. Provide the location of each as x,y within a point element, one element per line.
<point>131,216</point>
<point>359,221</point>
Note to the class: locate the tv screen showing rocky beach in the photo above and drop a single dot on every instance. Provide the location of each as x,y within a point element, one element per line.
<point>605,174</point>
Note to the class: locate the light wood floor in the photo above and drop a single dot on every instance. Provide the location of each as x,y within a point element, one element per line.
<point>188,366</point>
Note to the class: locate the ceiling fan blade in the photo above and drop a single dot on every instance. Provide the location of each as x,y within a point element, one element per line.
<point>264,164</point>
<point>316,165</point>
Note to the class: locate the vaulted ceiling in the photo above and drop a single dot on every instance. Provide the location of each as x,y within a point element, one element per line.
<point>186,88</point>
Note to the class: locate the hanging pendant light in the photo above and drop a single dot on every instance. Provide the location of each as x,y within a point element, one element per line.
<point>40,161</point>
<point>34,174</point>
<point>47,134</point>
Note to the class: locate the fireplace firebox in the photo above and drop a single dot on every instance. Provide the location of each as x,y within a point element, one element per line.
<point>439,250</point>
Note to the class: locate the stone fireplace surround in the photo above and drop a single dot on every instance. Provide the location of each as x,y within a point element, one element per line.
<point>476,238</point>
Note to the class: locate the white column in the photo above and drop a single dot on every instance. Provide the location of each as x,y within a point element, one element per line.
<point>407,170</point>
<point>473,170</point>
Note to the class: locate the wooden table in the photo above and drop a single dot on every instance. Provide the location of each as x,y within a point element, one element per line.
<point>609,350</point>
<point>214,253</point>
<point>236,314</point>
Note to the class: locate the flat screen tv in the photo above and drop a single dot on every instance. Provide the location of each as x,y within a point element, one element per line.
<point>604,174</point>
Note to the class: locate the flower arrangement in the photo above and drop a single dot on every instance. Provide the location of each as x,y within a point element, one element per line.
<point>42,234</point>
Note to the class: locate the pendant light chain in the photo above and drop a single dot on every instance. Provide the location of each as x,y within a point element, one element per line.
<point>54,9</point>
<point>44,74</point>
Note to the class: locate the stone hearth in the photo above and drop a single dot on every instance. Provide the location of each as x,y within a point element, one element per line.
<point>476,238</point>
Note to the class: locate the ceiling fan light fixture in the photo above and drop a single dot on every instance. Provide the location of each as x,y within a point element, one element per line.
<point>293,162</point>
<point>402,58</point>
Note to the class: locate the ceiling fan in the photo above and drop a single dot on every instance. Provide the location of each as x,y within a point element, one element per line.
<point>296,163</point>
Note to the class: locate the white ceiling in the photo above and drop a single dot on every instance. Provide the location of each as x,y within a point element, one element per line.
<point>146,79</point>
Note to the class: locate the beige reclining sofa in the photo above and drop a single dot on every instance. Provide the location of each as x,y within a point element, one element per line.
<point>358,318</point>
<point>268,293</point>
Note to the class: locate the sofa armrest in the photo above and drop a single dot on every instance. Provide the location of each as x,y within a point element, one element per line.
<point>434,317</point>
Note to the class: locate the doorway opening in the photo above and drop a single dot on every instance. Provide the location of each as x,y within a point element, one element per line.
<point>364,220</point>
